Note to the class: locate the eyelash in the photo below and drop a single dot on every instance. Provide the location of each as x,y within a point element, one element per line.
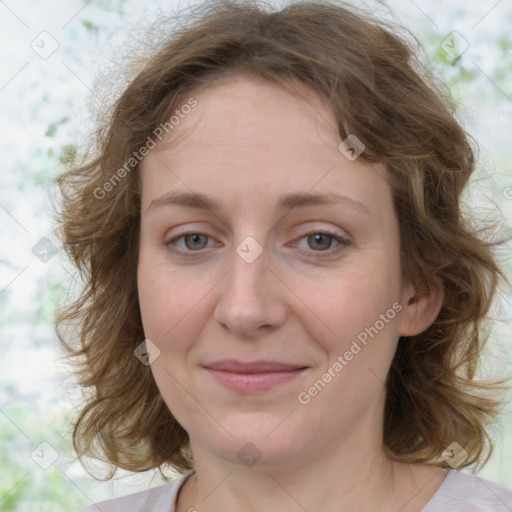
<point>342,243</point>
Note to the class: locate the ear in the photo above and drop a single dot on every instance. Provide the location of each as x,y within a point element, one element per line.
<point>421,305</point>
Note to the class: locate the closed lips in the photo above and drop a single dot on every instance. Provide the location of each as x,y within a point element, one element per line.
<point>233,366</point>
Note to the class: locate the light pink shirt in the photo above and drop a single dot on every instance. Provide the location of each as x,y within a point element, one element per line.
<point>459,492</point>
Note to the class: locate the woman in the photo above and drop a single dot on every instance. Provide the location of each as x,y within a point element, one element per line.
<point>281,287</point>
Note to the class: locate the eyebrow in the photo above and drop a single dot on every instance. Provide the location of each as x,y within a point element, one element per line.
<point>286,202</point>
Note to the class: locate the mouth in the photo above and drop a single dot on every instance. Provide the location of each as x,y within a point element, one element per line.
<point>255,376</point>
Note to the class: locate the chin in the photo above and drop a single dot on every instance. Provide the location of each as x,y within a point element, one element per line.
<point>264,442</point>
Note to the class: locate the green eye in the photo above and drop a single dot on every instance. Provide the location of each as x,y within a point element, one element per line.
<point>321,243</point>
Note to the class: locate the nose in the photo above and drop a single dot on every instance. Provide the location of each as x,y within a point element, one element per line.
<point>251,298</point>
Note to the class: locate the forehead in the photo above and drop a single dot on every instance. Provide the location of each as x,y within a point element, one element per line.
<point>249,110</point>
<point>248,135</point>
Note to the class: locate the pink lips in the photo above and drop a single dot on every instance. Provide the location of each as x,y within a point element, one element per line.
<point>253,376</point>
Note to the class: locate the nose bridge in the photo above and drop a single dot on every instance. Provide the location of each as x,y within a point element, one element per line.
<point>253,231</point>
<point>249,244</point>
<point>247,276</point>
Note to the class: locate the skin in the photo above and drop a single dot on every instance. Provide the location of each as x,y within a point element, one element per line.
<point>247,143</point>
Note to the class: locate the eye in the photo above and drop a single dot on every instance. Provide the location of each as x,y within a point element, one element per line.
<point>322,242</point>
<point>192,242</point>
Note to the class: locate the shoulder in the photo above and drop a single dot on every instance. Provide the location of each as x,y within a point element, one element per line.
<point>156,499</point>
<point>470,493</point>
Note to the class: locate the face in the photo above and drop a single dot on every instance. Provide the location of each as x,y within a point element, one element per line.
<point>275,298</point>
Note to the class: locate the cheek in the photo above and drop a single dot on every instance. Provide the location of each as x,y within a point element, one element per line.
<point>342,306</point>
<point>162,299</point>
<point>364,340</point>
<point>170,308</point>
<point>173,303</point>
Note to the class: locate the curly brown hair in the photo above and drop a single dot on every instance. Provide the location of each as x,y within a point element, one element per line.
<point>373,81</point>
